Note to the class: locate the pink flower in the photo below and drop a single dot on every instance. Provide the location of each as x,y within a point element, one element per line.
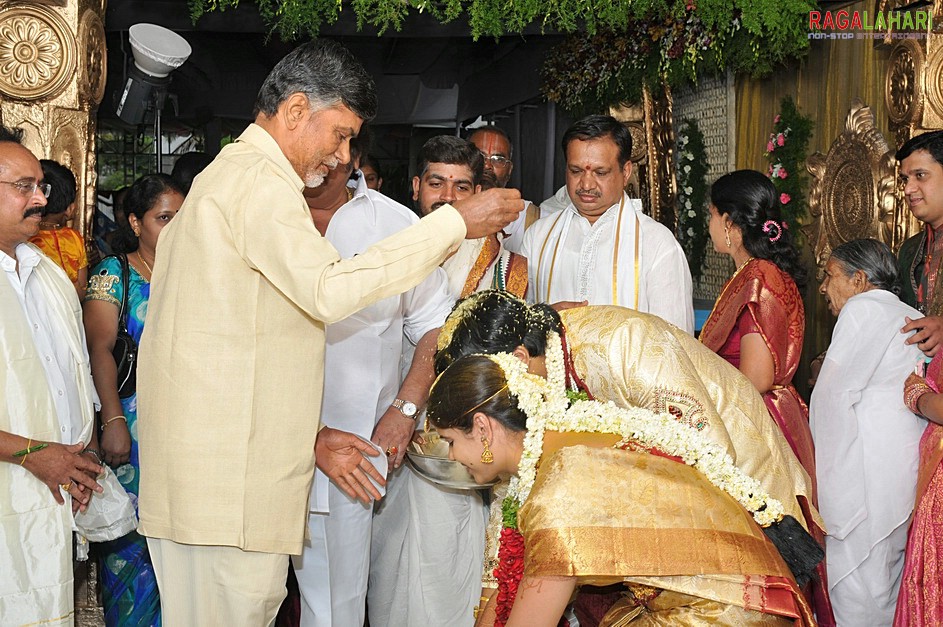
<point>784,198</point>
<point>780,140</point>
<point>782,173</point>
<point>776,119</point>
<point>769,146</point>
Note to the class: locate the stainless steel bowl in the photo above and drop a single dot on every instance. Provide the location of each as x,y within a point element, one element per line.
<point>431,461</point>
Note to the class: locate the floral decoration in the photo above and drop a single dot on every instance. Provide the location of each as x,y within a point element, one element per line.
<point>692,168</point>
<point>509,572</point>
<point>545,403</point>
<point>786,150</point>
<point>672,42</point>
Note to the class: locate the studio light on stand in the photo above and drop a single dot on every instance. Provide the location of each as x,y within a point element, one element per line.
<point>157,52</point>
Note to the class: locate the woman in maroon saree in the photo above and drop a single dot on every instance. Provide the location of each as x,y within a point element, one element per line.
<point>758,322</point>
<point>920,602</point>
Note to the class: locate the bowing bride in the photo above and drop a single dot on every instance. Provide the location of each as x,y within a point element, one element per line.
<point>602,495</point>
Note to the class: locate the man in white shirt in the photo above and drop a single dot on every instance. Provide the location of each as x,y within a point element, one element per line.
<point>602,248</point>
<point>428,541</point>
<point>46,411</point>
<point>362,393</point>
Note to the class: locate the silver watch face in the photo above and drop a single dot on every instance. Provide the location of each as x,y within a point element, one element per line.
<point>409,409</point>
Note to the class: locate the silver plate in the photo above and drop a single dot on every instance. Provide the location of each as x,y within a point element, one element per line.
<point>444,472</point>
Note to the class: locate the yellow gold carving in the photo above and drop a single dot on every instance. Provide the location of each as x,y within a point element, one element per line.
<point>904,83</point>
<point>652,147</point>
<point>37,53</point>
<point>853,192</point>
<point>93,71</point>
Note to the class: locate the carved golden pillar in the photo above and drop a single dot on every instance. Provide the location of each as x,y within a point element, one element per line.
<point>913,90</point>
<point>653,175</point>
<point>52,78</point>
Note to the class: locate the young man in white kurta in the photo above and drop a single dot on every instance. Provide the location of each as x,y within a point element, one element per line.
<point>361,381</point>
<point>602,248</point>
<point>429,541</point>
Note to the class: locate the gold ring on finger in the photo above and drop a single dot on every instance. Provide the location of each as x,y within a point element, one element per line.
<point>66,486</point>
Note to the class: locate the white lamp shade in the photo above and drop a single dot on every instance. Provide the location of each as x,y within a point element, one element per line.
<point>157,50</point>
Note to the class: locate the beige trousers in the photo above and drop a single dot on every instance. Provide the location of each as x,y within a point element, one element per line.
<point>217,585</point>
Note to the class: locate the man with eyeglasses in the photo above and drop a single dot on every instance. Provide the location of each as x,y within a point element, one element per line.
<point>47,410</point>
<point>496,149</point>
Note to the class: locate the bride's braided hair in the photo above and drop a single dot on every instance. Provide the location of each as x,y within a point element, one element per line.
<point>494,321</point>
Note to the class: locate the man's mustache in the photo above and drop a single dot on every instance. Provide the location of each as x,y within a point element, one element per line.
<point>584,192</point>
<point>34,211</point>
<point>436,205</point>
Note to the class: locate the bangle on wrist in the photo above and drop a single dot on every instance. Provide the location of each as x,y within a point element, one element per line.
<point>112,419</point>
<point>96,453</point>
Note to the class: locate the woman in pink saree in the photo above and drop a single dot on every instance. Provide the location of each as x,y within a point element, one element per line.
<point>758,322</point>
<point>920,602</point>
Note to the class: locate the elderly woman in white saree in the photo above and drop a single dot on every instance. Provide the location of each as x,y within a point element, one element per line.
<point>866,440</point>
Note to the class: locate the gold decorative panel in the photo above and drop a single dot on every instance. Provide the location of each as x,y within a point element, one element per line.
<point>853,191</point>
<point>93,71</point>
<point>37,52</point>
<point>653,177</point>
<point>904,89</point>
<point>52,76</point>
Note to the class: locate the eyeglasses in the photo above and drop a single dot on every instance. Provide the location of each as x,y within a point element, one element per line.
<point>28,188</point>
<point>496,160</point>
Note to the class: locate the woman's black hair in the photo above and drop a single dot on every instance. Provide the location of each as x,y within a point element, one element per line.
<point>473,384</point>
<point>749,198</point>
<point>872,257</point>
<point>141,198</point>
<point>495,321</point>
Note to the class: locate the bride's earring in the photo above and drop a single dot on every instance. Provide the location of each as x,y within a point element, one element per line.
<point>727,235</point>
<point>486,456</point>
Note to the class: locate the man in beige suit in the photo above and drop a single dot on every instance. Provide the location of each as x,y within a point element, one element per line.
<point>231,371</point>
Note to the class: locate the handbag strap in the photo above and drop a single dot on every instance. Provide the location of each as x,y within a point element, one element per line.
<point>125,279</point>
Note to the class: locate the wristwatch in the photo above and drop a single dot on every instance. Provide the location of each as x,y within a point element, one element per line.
<point>407,408</point>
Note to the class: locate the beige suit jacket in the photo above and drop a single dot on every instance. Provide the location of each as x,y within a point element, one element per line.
<point>231,366</point>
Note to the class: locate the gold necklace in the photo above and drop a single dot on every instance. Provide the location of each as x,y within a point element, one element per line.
<point>149,271</point>
<point>742,266</point>
<point>50,225</point>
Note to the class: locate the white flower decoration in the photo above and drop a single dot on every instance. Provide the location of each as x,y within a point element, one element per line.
<point>545,403</point>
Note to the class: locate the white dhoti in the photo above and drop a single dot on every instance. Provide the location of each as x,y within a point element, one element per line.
<point>361,379</point>
<point>339,541</point>
<point>426,555</point>
<point>868,595</point>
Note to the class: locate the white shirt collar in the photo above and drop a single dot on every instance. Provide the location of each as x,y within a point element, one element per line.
<point>27,256</point>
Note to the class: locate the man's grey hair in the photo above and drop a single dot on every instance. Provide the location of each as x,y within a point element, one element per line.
<point>872,257</point>
<point>327,73</point>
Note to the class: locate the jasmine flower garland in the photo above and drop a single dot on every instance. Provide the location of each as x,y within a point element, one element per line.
<point>548,408</point>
